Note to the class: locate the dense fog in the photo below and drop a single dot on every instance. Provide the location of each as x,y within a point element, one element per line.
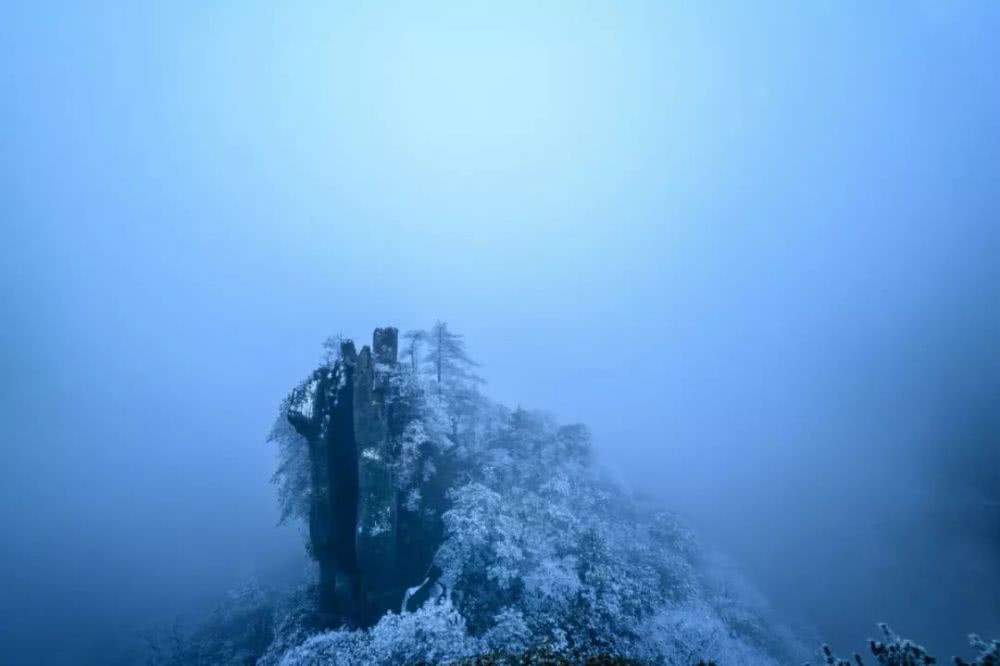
<point>753,248</point>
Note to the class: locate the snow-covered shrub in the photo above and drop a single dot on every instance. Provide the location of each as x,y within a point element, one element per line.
<point>342,647</point>
<point>434,634</point>
<point>692,633</point>
<point>894,650</point>
<point>510,633</point>
<point>989,652</point>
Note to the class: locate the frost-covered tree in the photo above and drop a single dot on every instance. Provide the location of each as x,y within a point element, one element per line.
<point>441,354</point>
<point>450,363</point>
<point>292,476</point>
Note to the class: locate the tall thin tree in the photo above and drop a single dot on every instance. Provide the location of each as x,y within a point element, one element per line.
<point>448,357</point>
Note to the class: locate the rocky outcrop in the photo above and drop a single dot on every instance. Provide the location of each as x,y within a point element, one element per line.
<point>354,533</point>
<point>375,541</point>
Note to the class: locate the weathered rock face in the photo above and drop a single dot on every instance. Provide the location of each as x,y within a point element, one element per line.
<point>354,504</point>
<point>376,525</point>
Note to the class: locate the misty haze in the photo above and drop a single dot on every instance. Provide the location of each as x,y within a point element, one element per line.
<point>513,333</point>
